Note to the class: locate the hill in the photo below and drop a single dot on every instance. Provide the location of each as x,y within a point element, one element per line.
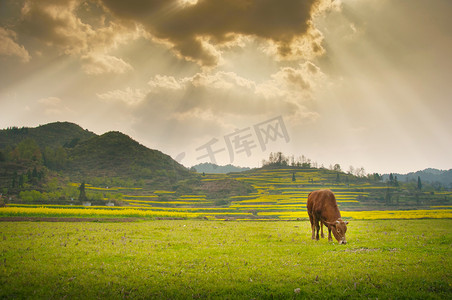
<point>51,135</point>
<point>116,154</point>
<point>65,151</point>
<point>430,175</point>
<point>283,191</point>
<point>216,169</point>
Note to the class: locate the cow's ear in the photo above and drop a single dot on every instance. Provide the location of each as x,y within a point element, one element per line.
<point>332,224</point>
<point>346,222</point>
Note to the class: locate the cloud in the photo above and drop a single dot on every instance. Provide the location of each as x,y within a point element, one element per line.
<point>96,64</point>
<point>308,46</point>
<point>197,30</point>
<point>77,28</point>
<point>55,24</point>
<point>295,84</point>
<point>50,101</point>
<point>54,106</point>
<point>228,94</point>
<point>219,93</point>
<point>165,82</point>
<point>9,46</point>
<point>129,96</point>
<point>199,105</point>
<point>177,113</point>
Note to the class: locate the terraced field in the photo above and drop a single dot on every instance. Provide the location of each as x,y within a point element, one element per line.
<point>277,197</point>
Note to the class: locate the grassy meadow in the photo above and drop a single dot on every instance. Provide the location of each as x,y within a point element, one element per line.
<point>199,259</point>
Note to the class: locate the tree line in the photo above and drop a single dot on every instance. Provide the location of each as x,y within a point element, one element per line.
<point>28,150</point>
<point>279,160</point>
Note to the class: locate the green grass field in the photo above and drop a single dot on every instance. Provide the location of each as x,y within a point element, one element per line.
<point>193,259</point>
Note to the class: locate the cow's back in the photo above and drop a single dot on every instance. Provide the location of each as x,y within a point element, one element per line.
<point>322,203</point>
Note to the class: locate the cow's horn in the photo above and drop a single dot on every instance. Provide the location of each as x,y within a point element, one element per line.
<point>337,221</point>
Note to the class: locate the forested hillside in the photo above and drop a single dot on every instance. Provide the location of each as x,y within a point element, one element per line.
<point>33,158</point>
<point>52,135</point>
<point>48,163</point>
<point>115,154</point>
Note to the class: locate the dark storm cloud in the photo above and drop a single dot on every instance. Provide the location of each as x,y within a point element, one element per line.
<point>196,31</point>
<point>192,28</point>
<point>54,23</point>
<point>78,28</point>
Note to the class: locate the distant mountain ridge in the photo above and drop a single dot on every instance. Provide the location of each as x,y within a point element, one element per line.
<point>216,169</point>
<point>428,175</point>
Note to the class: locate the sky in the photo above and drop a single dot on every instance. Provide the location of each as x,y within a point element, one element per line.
<point>361,83</point>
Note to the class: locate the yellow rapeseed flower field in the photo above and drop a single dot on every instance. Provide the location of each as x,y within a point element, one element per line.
<point>140,196</point>
<point>92,212</point>
<point>399,214</point>
<point>278,212</point>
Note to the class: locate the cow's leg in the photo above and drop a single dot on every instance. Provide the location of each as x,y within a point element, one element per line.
<point>321,229</point>
<point>330,239</point>
<point>317,227</point>
<point>312,226</point>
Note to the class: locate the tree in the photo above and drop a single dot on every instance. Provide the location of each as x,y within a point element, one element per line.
<point>306,164</point>
<point>21,180</point>
<point>391,179</point>
<point>360,172</point>
<point>52,185</point>
<point>60,157</point>
<point>271,160</point>
<point>280,159</point>
<point>34,174</point>
<point>27,150</point>
<point>55,158</point>
<point>293,176</point>
<point>419,183</point>
<point>82,196</point>
<point>388,196</point>
<point>375,177</point>
<point>13,183</point>
<point>30,196</point>
<point>276,159</point>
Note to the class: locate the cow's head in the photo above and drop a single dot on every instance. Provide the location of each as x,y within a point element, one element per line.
<point>339,228</point>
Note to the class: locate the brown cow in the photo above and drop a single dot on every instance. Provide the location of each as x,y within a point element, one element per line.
<point>323,210</point>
